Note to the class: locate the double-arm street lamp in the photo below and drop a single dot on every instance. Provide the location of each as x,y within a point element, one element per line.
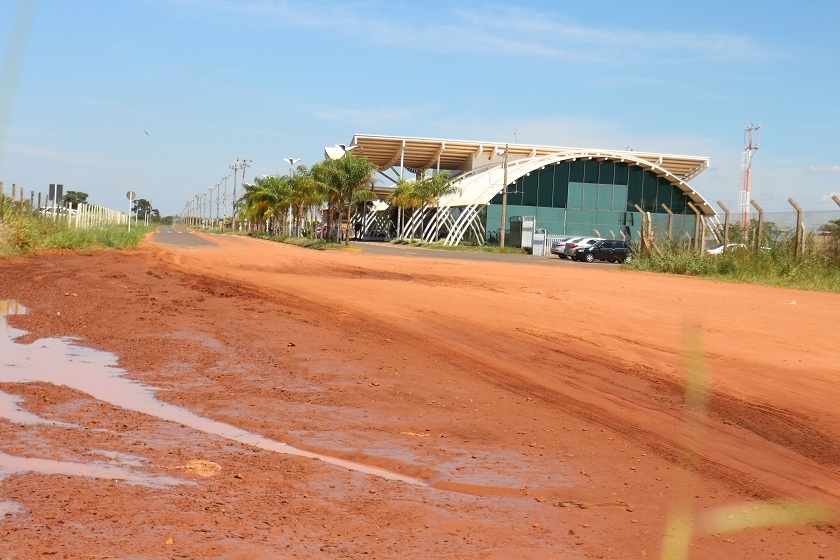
<point>292,162</point>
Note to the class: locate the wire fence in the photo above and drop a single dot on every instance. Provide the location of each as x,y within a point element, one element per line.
<point>812,232</point>
<point>78,216</point>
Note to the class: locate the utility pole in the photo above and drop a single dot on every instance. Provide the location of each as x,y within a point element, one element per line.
<point>746,168</point>
<point>245,163</point>
<point>224,200</point>
<point>235,168</point>
<point>504,200</point>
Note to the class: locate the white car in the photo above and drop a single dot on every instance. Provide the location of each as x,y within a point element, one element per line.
<point>719,248</point>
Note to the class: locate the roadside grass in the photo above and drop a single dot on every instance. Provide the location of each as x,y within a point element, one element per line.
<point>461,248</point>
<point>817,271</point>
<point>320,244</point>
<point>306,242</point>
<point>25,234</point>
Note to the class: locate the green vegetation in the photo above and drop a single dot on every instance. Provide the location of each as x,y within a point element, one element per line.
<point>279,206</point>
<point>319,244</point>
<point>415,196</point>
<point>461,248</point>
<point>143,208</point>
<point>25,233</point>
<point>817,268</point>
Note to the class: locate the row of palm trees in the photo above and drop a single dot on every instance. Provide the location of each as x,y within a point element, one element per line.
<point>285,205</point>
<point>418,195</point>
<point>291,204</point>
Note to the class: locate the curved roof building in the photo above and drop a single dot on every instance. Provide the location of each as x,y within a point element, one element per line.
<point>566,190</point>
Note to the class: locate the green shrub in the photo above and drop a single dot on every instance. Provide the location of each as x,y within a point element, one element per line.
<point>777,267</point>
<point>22,234</point>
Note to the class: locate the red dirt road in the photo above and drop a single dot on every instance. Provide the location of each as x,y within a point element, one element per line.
<point>543,409</point>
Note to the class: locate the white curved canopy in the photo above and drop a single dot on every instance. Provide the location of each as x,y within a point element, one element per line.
<point>479,166</point>
<point>481,185</point>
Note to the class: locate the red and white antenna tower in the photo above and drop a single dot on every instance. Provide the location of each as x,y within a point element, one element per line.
<point>746,163</point>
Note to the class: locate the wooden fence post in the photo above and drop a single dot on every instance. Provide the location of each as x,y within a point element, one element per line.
<point>760,226</point>
<point>725,225</point>
<point>642,230</point>
<point>799,228</point>
<point>696,225</point>
<point>670,220</point>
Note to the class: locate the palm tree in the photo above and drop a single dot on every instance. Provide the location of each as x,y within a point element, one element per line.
<point>433,189</point>
<point>344,180</point>
<point>267,200</point>
<point>304,194</point>
<point>403,196</point>
<point>325,187</point>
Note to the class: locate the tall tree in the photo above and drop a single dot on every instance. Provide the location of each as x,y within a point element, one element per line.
<point>75,198</point>
<point>403,196</point>
<point>326,187</point>
<point>346,178</point>
<point>305,194</point>
<point>432,189</point>
<point>140,206</point>
<point>266,201</point>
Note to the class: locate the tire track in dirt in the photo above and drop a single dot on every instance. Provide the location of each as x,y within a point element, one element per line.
<point>597,390</point>
<point>593,381</point>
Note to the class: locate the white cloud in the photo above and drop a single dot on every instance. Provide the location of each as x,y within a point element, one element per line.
<point>824,168</point>
<point>108,104</point>
<point>376,116</point>
<point>506,32</point>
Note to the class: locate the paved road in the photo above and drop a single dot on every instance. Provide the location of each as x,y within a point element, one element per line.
<point>180,237</point>
<point>183,238</point>
<point>379,248</point>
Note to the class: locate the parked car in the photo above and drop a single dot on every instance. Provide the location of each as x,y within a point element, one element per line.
<point>719,248</point>
<point>558,246</point>
<point>610,250</point>
<point>580,242</point>
<point>58,210</point>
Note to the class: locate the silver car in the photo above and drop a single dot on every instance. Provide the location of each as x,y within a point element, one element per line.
<point>579,243</point>
<point>558,246</point>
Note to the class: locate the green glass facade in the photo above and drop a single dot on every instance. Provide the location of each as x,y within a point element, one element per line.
<point>585,196</point>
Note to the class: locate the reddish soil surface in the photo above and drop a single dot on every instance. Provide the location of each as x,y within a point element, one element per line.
<point>542,407</point>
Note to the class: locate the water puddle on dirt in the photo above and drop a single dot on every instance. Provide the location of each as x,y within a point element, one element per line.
<point>9,464</point>
<point>63,362</point>
<point>10,409</point>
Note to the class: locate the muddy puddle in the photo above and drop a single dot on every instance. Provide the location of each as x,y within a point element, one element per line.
<point>64,362</point>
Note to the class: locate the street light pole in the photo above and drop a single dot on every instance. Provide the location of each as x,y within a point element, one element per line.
<point>218,198</point>
<point>504,200</point>
<point>224,201</point>
<point>292,162</point>
<point>235,168</point>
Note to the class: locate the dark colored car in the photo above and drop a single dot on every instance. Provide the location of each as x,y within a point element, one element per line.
<point>611,250</point>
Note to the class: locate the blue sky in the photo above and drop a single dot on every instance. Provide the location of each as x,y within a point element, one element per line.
<point>162,96</point>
